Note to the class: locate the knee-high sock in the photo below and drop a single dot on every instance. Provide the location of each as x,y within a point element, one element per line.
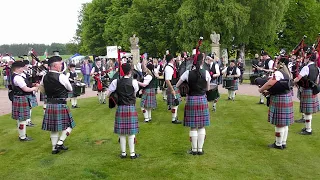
<point>28,121</point>
<point>233,94</point>
<point>122,139</point>
<point>308,119</point>
<point>201,137</point>
<point>229,93</point>
<point>149,113</point>
<point>72,101</point>
<point>54,136</point>
<point>131,140</point>
<point>44,108</point>
<point>164,94</point>
<point>285,135</point>
<point>214,104</point>
<point>64,135</point>
<point>194,140</point>
<point>22,129</point>
<point>99,95</point>
<point>174,111</point>
<point>103,94</point>
<point>145,114</point>
<point>279,135</point>
<point>302,117</point>
<point>75,101</point>
<point>261,98</point>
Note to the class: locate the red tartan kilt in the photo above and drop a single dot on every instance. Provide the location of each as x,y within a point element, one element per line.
<point>57,117</point>
<point>126,120</point>
<point>171,98</point>
<point>196,112</point>
<point>308,102</point>
<point>281,110</point>
<point>149,99</point>
<point>20,108</point>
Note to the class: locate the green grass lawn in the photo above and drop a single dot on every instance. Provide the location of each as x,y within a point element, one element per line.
<point>235,147</point>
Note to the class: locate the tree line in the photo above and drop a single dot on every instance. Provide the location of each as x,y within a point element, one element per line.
<point>249,25</point>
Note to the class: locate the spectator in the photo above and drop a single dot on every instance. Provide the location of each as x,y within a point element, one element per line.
<point>85,70</point>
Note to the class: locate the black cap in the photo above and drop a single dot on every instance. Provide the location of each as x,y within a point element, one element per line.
<point>169,57</point>
<point>17,64</point>
<point>54,59</point>
<point>72,65</point>
<point>313,57</point>
<point>97,59</point>
<point>150,66</point>
<point>26,62</point>
<point>126,67</point>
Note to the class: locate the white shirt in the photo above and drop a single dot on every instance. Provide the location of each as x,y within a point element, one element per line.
<point>305,70</point>
<point>156,70</point>
<point>19,81</point>
<point>237,70</point>
<point>94,69</point>
<point>278,75</point>
<point>147,79</point>
<point>68,75</point>
<point>138,67</point>
<point>270,64</point>
<point>63,79</point>
<point>168,71</point>
<point>113,85</point>
<point>216,67</point>
<point>185,76</point>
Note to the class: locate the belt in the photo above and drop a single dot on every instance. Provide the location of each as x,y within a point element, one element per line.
<point>56,101</point>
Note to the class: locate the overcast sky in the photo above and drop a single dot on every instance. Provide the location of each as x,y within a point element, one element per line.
<point>38,21</point>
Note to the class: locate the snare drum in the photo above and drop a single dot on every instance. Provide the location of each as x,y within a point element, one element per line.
<point>213,94</point>
<point>79,89</point>
<point>228,82</point>
<point>253,77</point>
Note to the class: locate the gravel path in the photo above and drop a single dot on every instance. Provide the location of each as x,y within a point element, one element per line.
<point>244,89</point>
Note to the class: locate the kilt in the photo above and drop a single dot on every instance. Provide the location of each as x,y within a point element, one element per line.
<point>196,112</point>
<point>149,99</point>
<point>308,102</point>
<point>281,110</point>
<point>57,117</point>
<point>171,98</point>
<point>43,98</point>
<point>235,86</point>
<point>126,120</point>
<point>32,100</point>
<point>20,108</point>
<point>71,94</point>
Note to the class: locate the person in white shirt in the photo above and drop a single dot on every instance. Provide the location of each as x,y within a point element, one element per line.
<point>98,71</point>
<point>214,72</point>
<point>268,68</point>
<point>232,72</point>
<point>126,118</point>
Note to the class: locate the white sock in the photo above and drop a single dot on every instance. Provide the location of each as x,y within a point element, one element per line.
<point>164,94</point>
<point>75,101</point>
<point>229,93</point>
<point>214,104</point>
<point>149,113</point>
<point>64,135</point>
<point>201,137</point>
<point>303,115</point>
<point>22,129</point>
<point>99,94</point>
<point>194,140</point>
<point>131,144</point>
<point>72,101</point>
<point>261,98</point>
<point>145,114</point>
<point>233,94</point>
<point>279,135</point>
<point>123,142</point>
<point>308,119</point>
<point>54,136</point>
<point>285,135</point>
<point>28,121</point>
<point>103,96</point>
<point>44,108</point>
<point>174,112</point>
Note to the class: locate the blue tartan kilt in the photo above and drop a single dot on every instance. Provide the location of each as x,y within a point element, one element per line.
<point>171,98</point>
<point>126,120</point>
<point>308,102</point>
<point>235,85</point>
<point>20,108</point>
<point>57,117</point>
<point>196,112</point>
<point>43,98</point>
<point>32,100</point>
<point>281,110</point>
<point>149,99</point>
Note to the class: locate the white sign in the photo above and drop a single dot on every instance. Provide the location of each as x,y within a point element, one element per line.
<point>112,51</point>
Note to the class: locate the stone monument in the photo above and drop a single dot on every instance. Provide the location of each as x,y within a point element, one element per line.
<point>215,45</point>
<point>135,52</point>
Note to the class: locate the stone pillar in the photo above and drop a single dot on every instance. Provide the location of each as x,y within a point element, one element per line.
<point>135,52</point>
<point>215,49</point>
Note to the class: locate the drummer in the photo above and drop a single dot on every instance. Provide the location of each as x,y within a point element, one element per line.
<point>214,72</point>
<point>72,76</point>
<point>232,72</point>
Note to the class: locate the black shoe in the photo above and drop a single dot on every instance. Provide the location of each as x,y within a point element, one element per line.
<point>192,152</point>
<point>61,147</point>
<point>300,121</point>
<point>229,98</point>
<point>303,129</point>
<point>275,146</point>
<point>146,120</point>
<point>135,156</point>
<point>176,122</point>
<point>26,139</point>
<point>201,153</point>
<point>123,156</point>
<point>150,119</point>
<point>56,151</point>
<point>76,106</point>
<point>73,107</point>
<point>306,133</point>
<point>214,109</point>
<point>169,108</point>
<point>260,102</point>
<point>284,146</point>
<point>30,124</point>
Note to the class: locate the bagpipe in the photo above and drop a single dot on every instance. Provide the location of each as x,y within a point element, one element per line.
<point>102,81</point>
<point>35,71</point>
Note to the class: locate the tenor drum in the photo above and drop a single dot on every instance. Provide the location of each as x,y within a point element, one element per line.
<point>228,82</point>
<point>213,94</point>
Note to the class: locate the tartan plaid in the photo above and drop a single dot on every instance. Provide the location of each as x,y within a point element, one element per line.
<point>170,97</point>
<point>20,108</point>
<point>308,102</point>
<point>148,99</point>
<point>281,110</point>
<point>57,117</point>
<point>32,100</point>
<point>235,86</point>
<point>196,112</point>
<point>43,98</point>
<point>126,120</point>
<point>71,94</point>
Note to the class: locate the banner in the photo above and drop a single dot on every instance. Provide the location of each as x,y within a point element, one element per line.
<point>112,52</point>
